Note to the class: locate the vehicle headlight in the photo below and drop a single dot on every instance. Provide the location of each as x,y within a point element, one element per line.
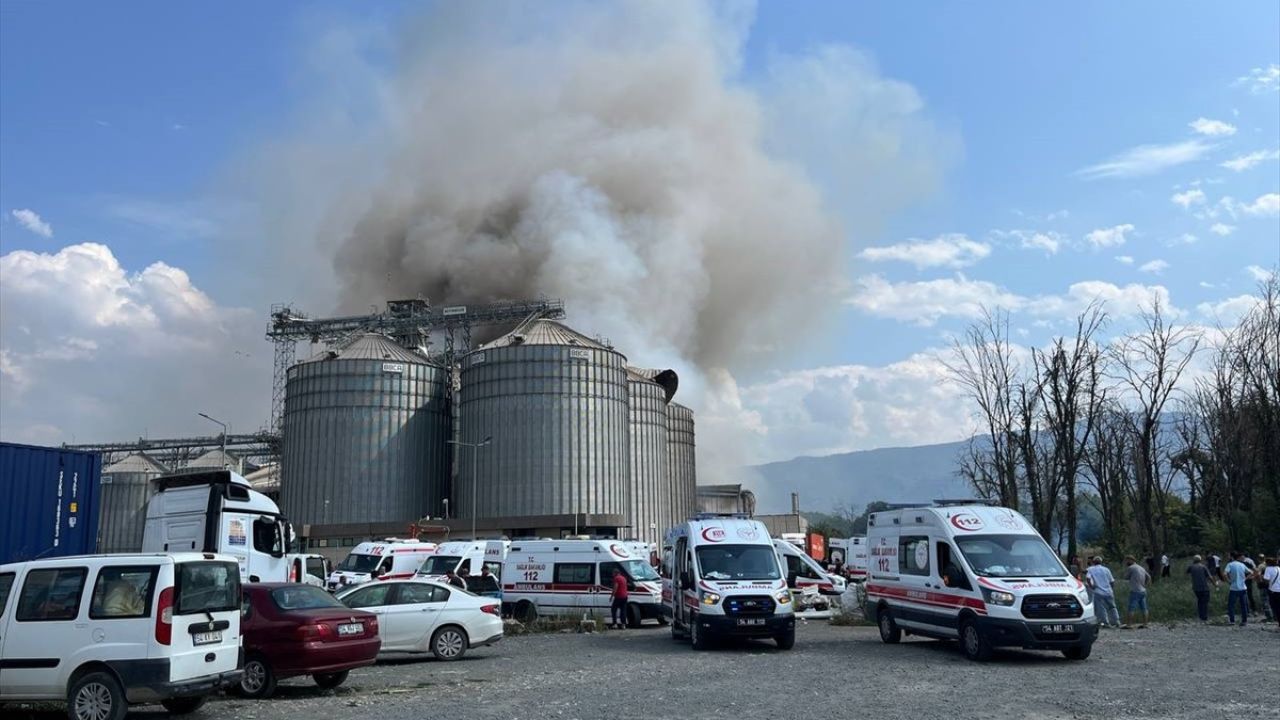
<point>783,596</point>
<point>997,597</point>
<point>710,598</point>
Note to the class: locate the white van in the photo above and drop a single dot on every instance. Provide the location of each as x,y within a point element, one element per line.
<point>309,569</point>
<point>218,512</point>
<point>459,555</point>
<point>975,573</point>
<point>805,572</point>
<point>390,559</point>
<point>850,554</point>
<point>721,576</point>
<point>102,632</point>
<point>571,577</point>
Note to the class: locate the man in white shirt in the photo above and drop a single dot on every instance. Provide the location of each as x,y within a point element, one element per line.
<point>1104,596</point>
<point>1270,581</point>
<point>1164,566</point>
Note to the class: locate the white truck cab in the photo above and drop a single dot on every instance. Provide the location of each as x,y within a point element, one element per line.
<point>573,576</point>
<point>102,632</point>
<point>219,512</point>
<point>722,577</point>
<point>390,559</point>
<point>976,573</point>
<point>804,572</point>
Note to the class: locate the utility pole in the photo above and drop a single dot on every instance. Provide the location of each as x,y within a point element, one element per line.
<point>224,437</point>
<point>475,447</point>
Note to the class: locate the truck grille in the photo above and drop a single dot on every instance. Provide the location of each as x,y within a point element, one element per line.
<point>749,605</point>
<point>1051,606</point>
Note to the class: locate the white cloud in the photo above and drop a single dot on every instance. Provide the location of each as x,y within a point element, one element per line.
<point>1155,267</point>
<point>925,302</point>
<point>951,250</point>
<point>1184,239</point>
<point>1188,198</point>
<point>182,220</point>
<point>1261,80</point>
<point>1147,160</point>
<point>1121,301</point>
<point>1109,237</point>
<point>30,220</point>
<point>1229,311</point>
<point>1258,273</point>
<point>1204,284</point>
<point>1265,206</point>
<point>1049,241</point>
<point>1205,126</point>
<point>1244,162</point>
<point>1222,229</point>
<point>1124,259</point>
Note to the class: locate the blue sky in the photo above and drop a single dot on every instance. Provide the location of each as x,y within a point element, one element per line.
<point>1096,133</point>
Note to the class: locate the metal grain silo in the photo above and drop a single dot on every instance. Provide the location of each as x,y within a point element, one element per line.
<point>555,403</point>
<point>652,501</point>
<point>126,488</point>
<point>682,466</point>
<point>364,431</point>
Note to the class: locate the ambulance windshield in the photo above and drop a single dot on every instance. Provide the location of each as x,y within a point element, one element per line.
<point>1010,556</point>
<point>639,570</point>
<point>360,563</point>
<point>738,562</point>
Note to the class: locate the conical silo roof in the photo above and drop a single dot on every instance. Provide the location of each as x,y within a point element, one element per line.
<point>136,463</point>
<point>545,332</point>
<point>370,346</point>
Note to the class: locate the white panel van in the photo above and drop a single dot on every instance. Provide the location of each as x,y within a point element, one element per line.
<point>571,577</point>
<point>975,573</point>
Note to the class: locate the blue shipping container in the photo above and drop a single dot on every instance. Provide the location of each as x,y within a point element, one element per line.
<point>48,502</point>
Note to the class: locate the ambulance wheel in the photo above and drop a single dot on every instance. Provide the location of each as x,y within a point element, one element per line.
<point>697,638</point>
<point>662,619</point>
<point>786,640</point>
<point>1080,652</point>
<point>526,612</point>
<point>889,630</point>
<point>975,645</point>
<point>634,618</point>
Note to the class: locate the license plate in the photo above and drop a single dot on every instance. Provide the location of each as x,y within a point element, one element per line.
<point>750,621</point>
<point>353,629</point>
<point>206,638</point>
<point>1057,629</point>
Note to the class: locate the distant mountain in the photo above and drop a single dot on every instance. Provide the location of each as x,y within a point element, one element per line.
<point>907,474</point>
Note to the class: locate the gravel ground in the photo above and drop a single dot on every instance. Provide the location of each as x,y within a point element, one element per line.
<point>1181,671</point>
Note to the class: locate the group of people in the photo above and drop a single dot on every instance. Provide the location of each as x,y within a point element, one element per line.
<point>1242,575</point>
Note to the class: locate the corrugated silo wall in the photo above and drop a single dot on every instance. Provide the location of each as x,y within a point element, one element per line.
<point>682,465</point>
<point>123,506</point>
<point>652,502</point>
<point>558,418</point>
<point>364,442</point>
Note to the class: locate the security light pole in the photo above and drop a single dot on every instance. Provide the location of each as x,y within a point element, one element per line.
<point>474,474</point>
<point>224,437</point>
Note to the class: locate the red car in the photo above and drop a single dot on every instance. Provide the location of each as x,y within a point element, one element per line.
<point>290,629</point>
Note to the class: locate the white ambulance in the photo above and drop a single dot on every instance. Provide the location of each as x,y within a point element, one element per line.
<point>804,572</point>
<point>470,555</point>
<point>851,555</point>
<point>573,577</point>
<point>390,559</point>
<point>722,577</point>
<point>975,573</point>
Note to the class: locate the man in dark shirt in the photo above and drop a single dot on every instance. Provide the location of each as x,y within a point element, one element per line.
<point>1200,579</point>
<point>452,578</point>
<point>618,610</point>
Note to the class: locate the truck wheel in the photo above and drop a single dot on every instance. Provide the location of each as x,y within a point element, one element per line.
<point>889,630</point>
<point>634,618</point>
<point>257,681</point>
<point>526,612</point>
<point>329,681</point>
<point>697,637</point>
<point>96,696</point>
<point>184,705</point>
<point>975,645</point>
<point>1079,652</point>
<point>786,640</point>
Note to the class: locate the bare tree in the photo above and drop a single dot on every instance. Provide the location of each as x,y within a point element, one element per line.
<point>1107,459</point>
<point>1147,366</point>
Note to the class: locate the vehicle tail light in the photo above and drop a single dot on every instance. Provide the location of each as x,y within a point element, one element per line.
<point>314,631</point>
<point>164,617</point>
<point>491,609</point>
<point>371,626</point>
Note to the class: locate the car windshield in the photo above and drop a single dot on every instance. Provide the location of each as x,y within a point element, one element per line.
<point>360,563</point>
<point>738,562</point>
<point>439,564</point>
<point>303,597</point>
<point>639,570</point>
<point>1010,556</point>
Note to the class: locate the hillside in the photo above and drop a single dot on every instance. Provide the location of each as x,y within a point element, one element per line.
<point>906,474</point>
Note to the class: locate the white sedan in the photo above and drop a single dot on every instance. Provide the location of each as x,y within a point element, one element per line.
<point>418,616</point>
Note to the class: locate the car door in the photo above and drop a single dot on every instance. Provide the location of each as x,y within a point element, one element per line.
<point>413,612</point>
<point>46,626</point>
<point>7,580</point>
<point>373,598</point>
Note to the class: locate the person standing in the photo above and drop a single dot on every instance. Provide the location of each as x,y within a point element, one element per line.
<point>1139,579</point>
<point>452,578</point>
<point>1104,598</point>
<point>1236,573</point>
<point>1248,581</point>
<point>1200,580</point>
<point>1266,573</point>
<point>618,608</point>
<point>1164,565</point>
<point>1271,581</point>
